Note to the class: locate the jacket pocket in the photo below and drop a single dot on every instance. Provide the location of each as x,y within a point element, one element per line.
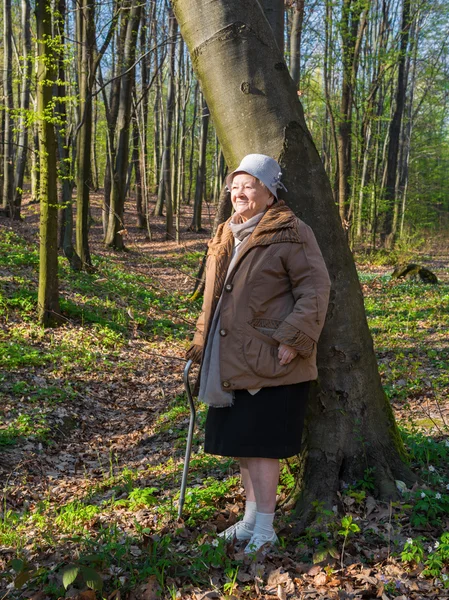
<point>261,354</point>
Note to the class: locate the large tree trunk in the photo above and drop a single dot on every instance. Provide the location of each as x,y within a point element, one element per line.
<point>255,108</point>
<point>48,299</point>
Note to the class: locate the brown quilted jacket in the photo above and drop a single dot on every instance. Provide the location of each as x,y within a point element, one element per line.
<point>278,291</point>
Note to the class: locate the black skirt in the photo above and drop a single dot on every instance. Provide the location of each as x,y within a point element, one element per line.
<point>266,425</point>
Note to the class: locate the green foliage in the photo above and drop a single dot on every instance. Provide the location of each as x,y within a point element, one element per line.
<point>429,508</point>
<point>88,575</point>
<point>413,551</point>
<point>348,527</point>
<point>140,497</point>
<point>74,516</point>
<point>201,503</point>
<point>438,560</point>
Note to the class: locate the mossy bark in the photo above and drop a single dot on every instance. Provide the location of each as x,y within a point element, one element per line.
<point>48,299</point>
<point>255,108</point>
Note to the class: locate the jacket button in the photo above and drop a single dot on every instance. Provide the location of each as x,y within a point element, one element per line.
<point>225,384</point>
<point>228,287</point>
<point>223,332</point>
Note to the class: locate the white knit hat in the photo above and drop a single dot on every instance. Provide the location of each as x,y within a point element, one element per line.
<point>264,168</point>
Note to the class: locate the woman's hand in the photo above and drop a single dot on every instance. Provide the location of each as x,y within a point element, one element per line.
<point>286,354</point>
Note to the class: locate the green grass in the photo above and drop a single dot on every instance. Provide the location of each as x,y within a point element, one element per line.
<point>113,297</point>
<point>409,323</point>
<point>100,528</point>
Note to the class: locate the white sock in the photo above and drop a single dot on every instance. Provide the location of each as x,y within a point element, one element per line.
<point>250,514</point>
<point>264,524</point>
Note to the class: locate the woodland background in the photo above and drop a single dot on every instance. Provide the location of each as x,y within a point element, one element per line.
<point>106,145</point>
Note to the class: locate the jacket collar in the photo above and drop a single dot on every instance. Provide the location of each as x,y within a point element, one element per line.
<point>279,224</point>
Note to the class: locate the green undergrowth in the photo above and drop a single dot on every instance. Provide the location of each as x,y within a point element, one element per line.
<point>409,322</point>
<point>113,296</point>
<point>120,529</point>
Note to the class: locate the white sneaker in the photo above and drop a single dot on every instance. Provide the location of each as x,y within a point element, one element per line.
<point>258,540</point>
<point>240,531</point>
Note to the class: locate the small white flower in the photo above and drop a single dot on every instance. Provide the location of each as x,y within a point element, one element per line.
<point>429,549</point>
<point>444,577</point>
<point>438,496</point>
<point>423,494</point>
<point>436,544</point>
<point>409,541</point>
<point>431,469</point>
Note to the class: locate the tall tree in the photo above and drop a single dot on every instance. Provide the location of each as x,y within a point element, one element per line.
<point>8,170</point>
<point>164,189</point>
<point>22,149</point>
<point>65,142</point>
<point>295,41</point>
<point>114,235</point>
<point>388,230</point>
<point>201,169</point>
<point>85,33</point>
<point>352,26</point>
<point>88,59</point>
<point>48,295</point>
<point>255,108</point>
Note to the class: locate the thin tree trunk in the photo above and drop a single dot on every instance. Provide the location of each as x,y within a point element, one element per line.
<point>193,138</point>
<point>85,20</point>
<point>295,42</point>
<point>8,158</point>
<point>22,150</point>
<point>114,234</point>
<point>352,26</point>
<point>64,140</point>
<point>201,170</point>
<point>164,191</point>
<point>137,161</point>
<point>388,231</point>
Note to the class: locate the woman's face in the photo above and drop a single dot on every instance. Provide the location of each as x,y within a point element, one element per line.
<point>248,196</point>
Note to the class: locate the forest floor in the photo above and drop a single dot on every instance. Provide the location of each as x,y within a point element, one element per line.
<point>93,425</point>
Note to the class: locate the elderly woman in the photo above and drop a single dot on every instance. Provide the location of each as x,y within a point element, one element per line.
<point>265,302</point>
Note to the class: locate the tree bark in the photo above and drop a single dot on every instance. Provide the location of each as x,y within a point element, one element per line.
<point>8,168</point>
<point>295,42</point>
<point>65,142</point>
<point>201,170</point>
<point>352,26</point>
<point>164,190</point>
<point>114,237</point>
<point>255,108</point>
<point>274,12</point>
<point>22,150</point>
<point>388,232</point>
<point>85,20</point>
<point>48,297</point>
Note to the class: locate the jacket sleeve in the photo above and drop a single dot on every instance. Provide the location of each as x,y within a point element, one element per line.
<point>310,288</point>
